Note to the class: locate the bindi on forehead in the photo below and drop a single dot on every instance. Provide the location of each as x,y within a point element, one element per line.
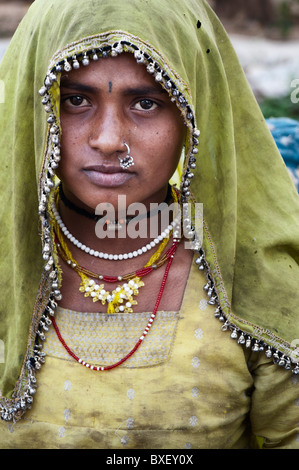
<point>110,87</point>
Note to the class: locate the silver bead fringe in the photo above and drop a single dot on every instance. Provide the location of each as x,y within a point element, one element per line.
<point>237,334</point>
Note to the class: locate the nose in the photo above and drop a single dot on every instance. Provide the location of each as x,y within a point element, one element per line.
<point>108,133</point>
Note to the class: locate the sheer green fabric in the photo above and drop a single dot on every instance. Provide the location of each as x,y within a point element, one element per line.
<point>251,207</point>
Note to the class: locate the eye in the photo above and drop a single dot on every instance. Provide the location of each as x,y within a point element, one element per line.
<point>75,101</point>
<point>146,105</point>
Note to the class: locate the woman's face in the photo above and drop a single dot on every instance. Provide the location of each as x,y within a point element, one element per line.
<point>102,105</point>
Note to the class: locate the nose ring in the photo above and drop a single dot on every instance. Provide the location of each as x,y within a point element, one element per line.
<point>127,161</point>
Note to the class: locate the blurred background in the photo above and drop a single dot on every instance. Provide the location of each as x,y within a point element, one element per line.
<point>265,34</point>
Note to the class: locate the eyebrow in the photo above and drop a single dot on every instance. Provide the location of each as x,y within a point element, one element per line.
<point>145,90</point>
<point>142,90</point>
<point>78,86</point>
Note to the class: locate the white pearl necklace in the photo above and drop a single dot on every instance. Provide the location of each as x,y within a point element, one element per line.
<point>114,257</point>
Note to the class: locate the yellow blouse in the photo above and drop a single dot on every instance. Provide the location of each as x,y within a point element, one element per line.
<point>188,386</point>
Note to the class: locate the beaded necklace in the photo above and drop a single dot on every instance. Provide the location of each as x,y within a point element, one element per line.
<point>120,299</point>
<point>113,257</point>
<point>145,332</point>
<point>147,269</point>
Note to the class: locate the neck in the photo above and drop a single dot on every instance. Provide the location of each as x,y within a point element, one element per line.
<point>104,236</point>
<point>91,215</point>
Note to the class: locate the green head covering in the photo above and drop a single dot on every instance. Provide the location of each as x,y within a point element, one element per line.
<point>251,208</point>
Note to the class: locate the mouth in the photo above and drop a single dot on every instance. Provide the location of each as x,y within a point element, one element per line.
<point>107,175</point>
<point>108,169</point>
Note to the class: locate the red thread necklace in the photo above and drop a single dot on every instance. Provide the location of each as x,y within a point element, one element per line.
<point>145,332</point>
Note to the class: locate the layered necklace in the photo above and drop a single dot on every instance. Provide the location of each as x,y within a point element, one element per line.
<point>120,299</point>
<point>140,340</point>
<point>114,257</point>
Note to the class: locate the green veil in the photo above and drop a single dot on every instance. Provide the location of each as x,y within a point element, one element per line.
<point>251,209</point>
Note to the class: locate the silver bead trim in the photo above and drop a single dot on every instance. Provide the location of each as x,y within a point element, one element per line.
<point>236,333</point>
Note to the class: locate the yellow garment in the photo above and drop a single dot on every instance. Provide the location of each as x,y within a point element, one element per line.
<point>189,386</point>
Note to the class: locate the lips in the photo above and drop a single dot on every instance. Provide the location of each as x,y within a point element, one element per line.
<point>107,175</point>
<point>109,169</point>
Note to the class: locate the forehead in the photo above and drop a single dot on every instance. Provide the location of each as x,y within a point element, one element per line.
<point>122,70</point>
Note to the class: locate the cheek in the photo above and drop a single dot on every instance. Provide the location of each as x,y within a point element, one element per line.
<point>69,149</point>
<point>164,150</point>
<point>71,143</point>
<point>170,133</point>
<point>70,134</point>
<point>173,138</point>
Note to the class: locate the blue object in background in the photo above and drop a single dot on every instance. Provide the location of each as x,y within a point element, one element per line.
<point>3,46</point>
<point>285,132</point>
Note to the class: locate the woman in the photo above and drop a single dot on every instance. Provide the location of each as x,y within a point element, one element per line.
<point>207,356</point>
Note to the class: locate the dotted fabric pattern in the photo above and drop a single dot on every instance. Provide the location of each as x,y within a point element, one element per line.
<point>104,339</point>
